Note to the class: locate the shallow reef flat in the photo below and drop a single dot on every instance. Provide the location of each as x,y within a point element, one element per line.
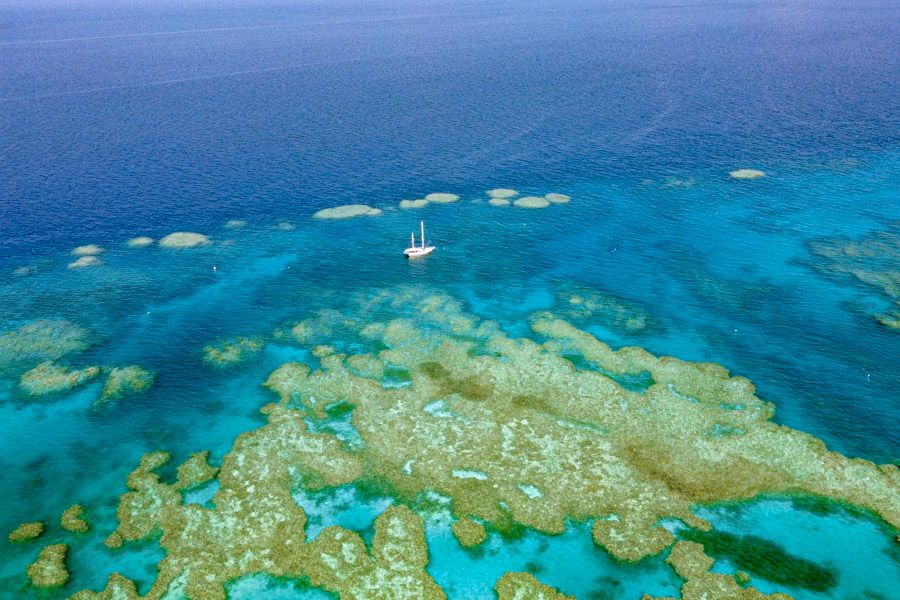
<point>507,432</point>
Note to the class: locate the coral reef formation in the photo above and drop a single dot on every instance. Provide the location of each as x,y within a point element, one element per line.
<point>509,430</point>
<point>469,533</point>
<point>419,203</point>
<point>441,198</point>
<point>49,570</point>
<point>51,378</point>
<point>84,262</point>
<point>873,261</point>
<point>558,198</point>
<point>347,211</point>
<point>525,586</point>
<point>232,351</point>
<point>505,193</point>
<point>184,239</point>
<point>125,381</point>
<point>746,174</point>
<point>581,304</point>
<point>532,202</point>
<point>692,565</point>
<point>139,242</point>
<point>43,340</point>
<point>88,250</point>
<point>73,520</point>
<point>195,471</point>
<point>235,224</point>
<point>26,532</point>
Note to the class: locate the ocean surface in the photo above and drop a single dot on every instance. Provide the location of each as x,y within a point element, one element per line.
<point>142,118</point>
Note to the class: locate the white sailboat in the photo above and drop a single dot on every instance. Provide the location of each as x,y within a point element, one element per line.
<point>416,251</point>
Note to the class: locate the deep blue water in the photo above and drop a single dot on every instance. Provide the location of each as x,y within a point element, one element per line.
<point>142,118</point>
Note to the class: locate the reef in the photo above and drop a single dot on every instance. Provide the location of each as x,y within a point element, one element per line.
<point>49,570</point>
<point>41,341</point>
<point>51,378</point>
<point>195,471</point>
<point>347,211</point>
<point>233,351</point>
<point>746,174</point>
<point>764,559</point>
<point>84,262</point>
<point>524,586</point>
<point>499,202</point>
<point>125,381</point>
<point>285,226</point>
<point>419,203</point>
<point>184,239</point>
<point>532,202</point>
<point>582,304</point>
<point>514,432</point>
<point>469,533</point>
<point>692,564</point>
<point>558,198</point>
<point>88,250</point>
<point>502,193</point>
<point>73,520</point>
<point>441,198</point>
<point>139,242</point>
<point>323,350</point>
<point>235,224</point>
<point>256,526</point>
<point>872,260</point>
<point>26,532</point>
<point>436,198</point>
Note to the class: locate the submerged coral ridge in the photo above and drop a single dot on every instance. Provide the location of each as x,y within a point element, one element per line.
<point>43,340</point>
<point>124,381</point>
<point>873,261</point>
<point>230,352</point>
<point>508,429</point>
<point>51,378</point>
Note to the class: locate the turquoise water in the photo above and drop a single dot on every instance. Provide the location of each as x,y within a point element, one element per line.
<point>119,121</point>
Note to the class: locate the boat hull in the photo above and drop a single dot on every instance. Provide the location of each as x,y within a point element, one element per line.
<point>418,252</point>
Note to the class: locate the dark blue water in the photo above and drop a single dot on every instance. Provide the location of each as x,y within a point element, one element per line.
<point>131,116</point>
<point>145,118</point>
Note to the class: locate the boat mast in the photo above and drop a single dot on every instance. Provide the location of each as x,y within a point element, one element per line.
<point>422,223</point>
<point>412,240</point>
